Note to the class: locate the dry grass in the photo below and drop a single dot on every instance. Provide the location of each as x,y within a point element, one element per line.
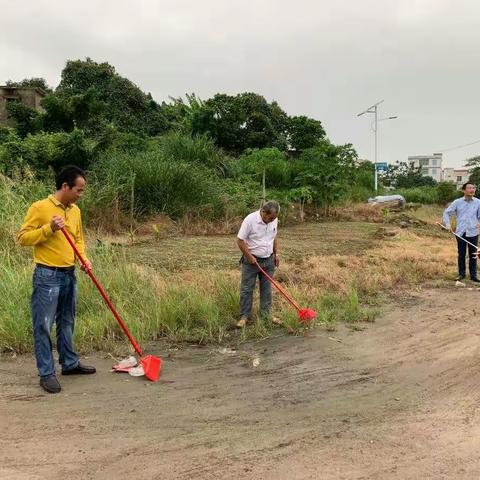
<point>187,288</point>
<point>327,265</point>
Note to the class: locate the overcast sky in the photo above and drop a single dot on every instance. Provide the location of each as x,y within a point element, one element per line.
<point>326,59</point>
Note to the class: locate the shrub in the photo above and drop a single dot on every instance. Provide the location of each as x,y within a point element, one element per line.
<point>446,192</point>
<point>46,150</point>
<point>254,162</point>
<point>426,195</point>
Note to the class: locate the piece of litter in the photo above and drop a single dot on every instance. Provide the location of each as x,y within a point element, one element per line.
<point>226,351</point>
<point>131,361</point>
<point>256,362</point>
<point>459,284</point>
<point>277,321</point>
<point>125,365</point>
<point>136,371</point>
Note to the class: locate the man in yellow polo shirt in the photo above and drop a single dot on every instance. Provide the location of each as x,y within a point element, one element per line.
<point>54,282</point>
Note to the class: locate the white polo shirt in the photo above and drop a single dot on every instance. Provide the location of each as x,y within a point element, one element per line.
<point>258,235</point>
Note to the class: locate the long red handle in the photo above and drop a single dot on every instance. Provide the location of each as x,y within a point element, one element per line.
<point>279,288</point>
<point>102,292</point>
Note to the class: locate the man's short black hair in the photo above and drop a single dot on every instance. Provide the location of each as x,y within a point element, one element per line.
<point>464,186</point>
<point>69,175</point>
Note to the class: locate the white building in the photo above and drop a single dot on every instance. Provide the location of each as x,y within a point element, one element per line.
<point>430,165</point>
<point>449,175</point>
<point>460,176</point>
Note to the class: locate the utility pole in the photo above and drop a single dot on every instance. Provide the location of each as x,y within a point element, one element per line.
<point>374,109</point>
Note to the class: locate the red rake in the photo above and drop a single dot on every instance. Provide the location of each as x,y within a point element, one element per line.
<point>304,314</point>
<point>150,364</point>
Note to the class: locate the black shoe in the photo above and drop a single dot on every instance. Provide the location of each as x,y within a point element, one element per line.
<point>50,384</point>
<point>475,280</point>
<point>80,370</point>
<point>460,278</point>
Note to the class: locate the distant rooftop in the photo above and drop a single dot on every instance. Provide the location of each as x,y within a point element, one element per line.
<point>41,91</point>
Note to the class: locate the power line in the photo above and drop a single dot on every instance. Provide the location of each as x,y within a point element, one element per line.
<point>457,147</point>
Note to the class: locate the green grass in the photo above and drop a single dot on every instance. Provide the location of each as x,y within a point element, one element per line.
<point>182,289</point>
<point>187,288</point>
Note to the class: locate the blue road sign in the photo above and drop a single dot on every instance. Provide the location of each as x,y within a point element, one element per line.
<point>381,166</point>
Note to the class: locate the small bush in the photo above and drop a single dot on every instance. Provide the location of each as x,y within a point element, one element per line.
<point>447,192</point>
<point>441,193</point>
<point>253,163</point>
<point>46,150</point>
<point>425,195</point>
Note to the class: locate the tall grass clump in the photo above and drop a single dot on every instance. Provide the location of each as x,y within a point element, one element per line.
<point>16,195</point>
<point>16,264</point>
<point>178,176</point>
<point>202,309</point>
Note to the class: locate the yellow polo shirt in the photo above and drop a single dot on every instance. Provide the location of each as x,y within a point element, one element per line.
<point>51,248</point>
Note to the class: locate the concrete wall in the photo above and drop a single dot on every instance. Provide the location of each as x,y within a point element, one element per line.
<point>31,97</point>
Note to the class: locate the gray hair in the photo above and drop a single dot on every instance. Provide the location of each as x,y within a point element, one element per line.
<point>271,207</point>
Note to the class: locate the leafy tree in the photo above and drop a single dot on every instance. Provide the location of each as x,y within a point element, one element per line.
<point>65,113</point>
<point>243,121</point>
<point>475,176</point>
<point>103,96</point>
<point>473,161</point>
<point>365,175</point>
<point>446,192</point>
<point>327,171</point>
<point>46,150</point>
<point>180,113</point>
<point>304,132</point>
<point>269,160</point>
<point>25,119</point>
<point>403,175</point>
<point>302,195</point>
<point>31,82</point>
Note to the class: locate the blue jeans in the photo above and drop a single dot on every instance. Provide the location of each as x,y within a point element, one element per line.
<point>472,260</point>
<point>53,300</point>
<point>249,279</point>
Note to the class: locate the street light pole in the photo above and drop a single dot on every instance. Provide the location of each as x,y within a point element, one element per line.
<point>374,109</point>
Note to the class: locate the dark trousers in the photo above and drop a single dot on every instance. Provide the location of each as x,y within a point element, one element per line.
<point>472,260</point>
<point>249,279</point>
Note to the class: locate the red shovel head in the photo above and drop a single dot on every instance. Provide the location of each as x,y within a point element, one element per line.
<point>151,366</point>
<point>306,314</point>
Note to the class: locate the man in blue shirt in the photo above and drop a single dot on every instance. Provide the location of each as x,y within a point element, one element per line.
<point>467,211</point>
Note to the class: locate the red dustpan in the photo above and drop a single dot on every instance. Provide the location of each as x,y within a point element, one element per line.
<point>304,314</point>
<point>151,365</point>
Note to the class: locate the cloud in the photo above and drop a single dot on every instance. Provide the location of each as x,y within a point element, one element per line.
<point>325,59</point>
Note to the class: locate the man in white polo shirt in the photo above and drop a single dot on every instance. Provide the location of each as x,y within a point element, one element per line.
<point>257,241</point>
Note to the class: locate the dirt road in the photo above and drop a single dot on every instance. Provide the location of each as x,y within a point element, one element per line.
<point>398,400</point>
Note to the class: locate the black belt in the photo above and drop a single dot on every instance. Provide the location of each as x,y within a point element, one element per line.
<point>263,258</point>
<point>57,269</point>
